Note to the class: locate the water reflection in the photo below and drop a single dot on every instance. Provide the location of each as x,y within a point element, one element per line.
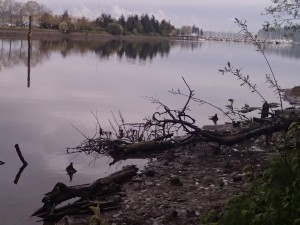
<point>291,51</point>
<point>188,45</point>
<point>19,173</point>
<point>14,52</point>
<point>22,167</point>
<point>28,61</point>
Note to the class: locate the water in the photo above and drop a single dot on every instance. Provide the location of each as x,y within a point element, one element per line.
<point>68,80</point>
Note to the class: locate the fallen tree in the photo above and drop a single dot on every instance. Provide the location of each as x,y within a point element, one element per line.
<point>102,192</point>
<point>169,128</point>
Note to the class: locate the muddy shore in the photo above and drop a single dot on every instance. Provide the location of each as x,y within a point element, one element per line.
<point>38,34</point>
<point>182,184</point>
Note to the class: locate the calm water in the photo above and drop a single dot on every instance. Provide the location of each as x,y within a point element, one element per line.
<point>68,80</point>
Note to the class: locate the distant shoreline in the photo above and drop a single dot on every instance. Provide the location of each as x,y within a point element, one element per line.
<point>57,35</point>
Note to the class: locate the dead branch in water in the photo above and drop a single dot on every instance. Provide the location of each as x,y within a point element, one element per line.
<point>20,155</point>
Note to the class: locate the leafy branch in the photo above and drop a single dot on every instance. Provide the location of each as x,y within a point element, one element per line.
<point>271,78</point>
<point>191,96</point>
<point>245,79</point>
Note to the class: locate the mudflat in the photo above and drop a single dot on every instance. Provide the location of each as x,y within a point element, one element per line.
<point>39,34</point>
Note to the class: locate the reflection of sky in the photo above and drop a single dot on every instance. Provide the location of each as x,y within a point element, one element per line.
<point>65,90</point>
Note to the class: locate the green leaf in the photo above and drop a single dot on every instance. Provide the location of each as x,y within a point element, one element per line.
<point>296,221</point>
<point>96,210</point>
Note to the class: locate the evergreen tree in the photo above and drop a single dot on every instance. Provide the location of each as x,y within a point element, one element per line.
<point>146,23</point>
<point>104,20</point>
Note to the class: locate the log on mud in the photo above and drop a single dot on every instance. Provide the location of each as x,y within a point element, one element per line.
<point>246,134</point>
<point>139,150</point>
<point>101,192</point>
<point>261,127</point>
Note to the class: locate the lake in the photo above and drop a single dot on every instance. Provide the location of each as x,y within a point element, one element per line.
<point>69,80</point>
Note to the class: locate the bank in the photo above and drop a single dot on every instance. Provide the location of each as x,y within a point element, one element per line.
<point>181,185</point>
<point>46,34</point>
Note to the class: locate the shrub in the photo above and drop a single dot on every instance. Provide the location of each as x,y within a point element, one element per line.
<point>66,27</point>
<point>275,198</point>
<point>115,29</point>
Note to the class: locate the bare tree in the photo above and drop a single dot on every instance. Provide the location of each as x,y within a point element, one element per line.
<point>8,6</point>
<point>1,11</point>
<point>18,11</point>
<point>285,13</point>
<point>34,9</point>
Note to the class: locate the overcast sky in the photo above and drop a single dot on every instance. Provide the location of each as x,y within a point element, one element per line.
<point>215,15</point>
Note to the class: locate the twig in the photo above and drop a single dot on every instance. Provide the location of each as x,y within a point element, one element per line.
<point>190,96</point>
<point>79,131</point>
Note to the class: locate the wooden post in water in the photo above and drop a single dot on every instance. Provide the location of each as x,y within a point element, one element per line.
<point>22,167</point>
<point>29,50</point>
<point>20,155</point>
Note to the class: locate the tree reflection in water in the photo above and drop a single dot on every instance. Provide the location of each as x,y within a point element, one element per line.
<point>14,52</point>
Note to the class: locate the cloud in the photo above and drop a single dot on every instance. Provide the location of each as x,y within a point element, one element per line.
<point>117,11</point>
<point>160,15</point>
<point>83,10</point>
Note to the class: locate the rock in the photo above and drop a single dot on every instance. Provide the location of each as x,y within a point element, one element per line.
<point>155,223</point>
<point>175,181</point>
<point>173,214</point>
<point>187,162</point>
<point>149,183</point>
<point>190,213</point>
<point>149,173</point>
<point>221,184</point>
<point>237,178</point>
<point>180,200</point>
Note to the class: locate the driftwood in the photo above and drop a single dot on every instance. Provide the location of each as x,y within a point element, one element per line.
<point>172,121</point>
<point>101,192</point>
<point>139,150</point>
<point>230,137</point>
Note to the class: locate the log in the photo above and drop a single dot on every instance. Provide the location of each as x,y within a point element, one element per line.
<point>100,190</point>
<point>263,127</point>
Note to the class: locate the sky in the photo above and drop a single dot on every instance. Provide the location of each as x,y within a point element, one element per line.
<point>210,15</point>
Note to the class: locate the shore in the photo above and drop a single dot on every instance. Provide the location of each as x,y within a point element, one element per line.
<point>39,34</point>
<point>181,185</point>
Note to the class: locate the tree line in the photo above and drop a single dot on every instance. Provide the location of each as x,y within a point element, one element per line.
<point>13,13</point>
